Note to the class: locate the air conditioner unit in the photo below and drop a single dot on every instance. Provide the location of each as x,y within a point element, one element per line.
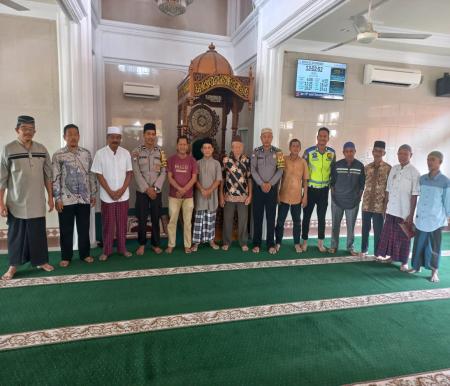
<point>392,76</point>
<point>141,90</point>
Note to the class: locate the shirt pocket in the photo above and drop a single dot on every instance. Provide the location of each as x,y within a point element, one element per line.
<point>156,165</point>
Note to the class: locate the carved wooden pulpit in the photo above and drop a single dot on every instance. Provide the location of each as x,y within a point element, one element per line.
<point>207,95</point>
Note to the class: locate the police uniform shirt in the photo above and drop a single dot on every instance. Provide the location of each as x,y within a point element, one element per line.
<point>266,166</point>
<point>149,168</point>
<point>23,173</point>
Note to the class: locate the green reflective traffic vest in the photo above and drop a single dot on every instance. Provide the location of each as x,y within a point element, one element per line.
<point>319,165</point>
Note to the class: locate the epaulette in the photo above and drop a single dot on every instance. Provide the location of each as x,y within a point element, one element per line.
<point>162,157</point>
<point>281,163</point>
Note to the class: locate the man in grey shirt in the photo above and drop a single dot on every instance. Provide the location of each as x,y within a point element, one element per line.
<point>25,173</point>
<point>347,185</point>
<point>267,165</point>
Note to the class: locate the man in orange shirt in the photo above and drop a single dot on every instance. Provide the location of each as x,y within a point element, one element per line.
<point>293,193</point>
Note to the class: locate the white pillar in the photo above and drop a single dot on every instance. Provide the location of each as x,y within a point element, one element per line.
<point>74,28</point>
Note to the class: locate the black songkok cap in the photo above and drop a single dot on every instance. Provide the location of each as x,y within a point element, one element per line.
<point>380,144</point>
<point>24,119</point>
<point>149,126</point>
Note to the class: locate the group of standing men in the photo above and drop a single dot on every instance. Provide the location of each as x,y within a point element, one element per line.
<point>267,179</point>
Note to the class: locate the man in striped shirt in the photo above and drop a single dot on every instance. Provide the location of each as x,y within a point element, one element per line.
<point>347,185</point>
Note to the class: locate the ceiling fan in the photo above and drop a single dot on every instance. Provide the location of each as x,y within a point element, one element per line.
<point>366,34</point>
<point>14,5</point>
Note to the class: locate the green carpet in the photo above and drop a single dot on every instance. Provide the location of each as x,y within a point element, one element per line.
<point>328,348</point>
<point>93,302</point>
<point>318,349</point>
<point>204,256</point>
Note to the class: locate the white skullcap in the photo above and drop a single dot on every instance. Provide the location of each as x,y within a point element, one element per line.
<point>114,130</point>
<point>266,130</point>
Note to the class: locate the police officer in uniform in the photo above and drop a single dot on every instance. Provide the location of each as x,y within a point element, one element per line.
<point>267,165</point>
<point>149,169</point>
<point>319,159</point>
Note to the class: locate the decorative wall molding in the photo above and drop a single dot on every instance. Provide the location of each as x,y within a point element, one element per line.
<point>242,69</point>
<point>75,10</point>
<point>368,53</point>
<point>164,46</point>
<point>233,16</point>
<point>245,41</point>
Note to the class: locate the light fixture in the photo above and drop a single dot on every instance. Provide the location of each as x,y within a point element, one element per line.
<point>173,7</point>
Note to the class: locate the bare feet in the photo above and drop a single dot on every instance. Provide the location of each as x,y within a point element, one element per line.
<point>298,248</point>
<point>64,263</point>
<point>304,246</point>
<point>404,268</point>
<point>277,247</point>
<point>353,252</point>
<point>194,248</point>
<point>213,245</point>
<point>127,254</point>
<point>413,271</point>
<point>321,246</point>
<point>88,259</point>
<point>331,250</point>
<point>103,257</point>
<point>244,248</point>
<point>140,251</point>
<point>157,250</point>
<point>434,277</point>
<point>255,250</point>
<point>188,250</point>
<point>272,250</point>
<point>362,254</point>
<point>169,250</point>
<point>225,247</point>
<point>9,274</point>
<point>46,267</point>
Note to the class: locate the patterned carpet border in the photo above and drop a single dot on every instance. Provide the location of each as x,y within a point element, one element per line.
<point>432,378</point>
<point>110,329</point>
<point>133,274</point>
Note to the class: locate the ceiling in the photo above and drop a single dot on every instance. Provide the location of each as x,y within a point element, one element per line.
<point>45,9</point>
<point>411,16</point>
